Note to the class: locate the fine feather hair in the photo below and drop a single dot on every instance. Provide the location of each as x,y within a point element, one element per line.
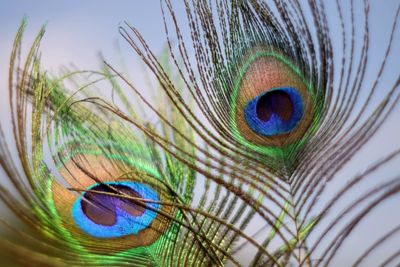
<point>190,176</point>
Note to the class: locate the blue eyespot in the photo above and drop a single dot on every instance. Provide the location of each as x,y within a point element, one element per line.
<point>275,112</point>
<point>103,214</point>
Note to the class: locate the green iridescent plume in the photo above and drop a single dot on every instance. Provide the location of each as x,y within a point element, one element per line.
<point>239,155</point>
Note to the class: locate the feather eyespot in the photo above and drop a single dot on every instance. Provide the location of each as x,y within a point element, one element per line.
<point>112,202</point>
<point>273,105</point>
<point>275,112</point>
<point>109,210</point>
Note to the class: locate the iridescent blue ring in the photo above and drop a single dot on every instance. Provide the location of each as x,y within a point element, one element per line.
<point>126,224</point>
<point>275,125</point>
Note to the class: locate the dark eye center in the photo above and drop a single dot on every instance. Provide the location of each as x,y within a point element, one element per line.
<point>278,102</point>
<point>101,208</point>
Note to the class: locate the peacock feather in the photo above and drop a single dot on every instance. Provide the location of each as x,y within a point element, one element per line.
<point>241,155</point>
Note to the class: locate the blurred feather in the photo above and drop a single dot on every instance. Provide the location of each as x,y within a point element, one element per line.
<point>238,158</point>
